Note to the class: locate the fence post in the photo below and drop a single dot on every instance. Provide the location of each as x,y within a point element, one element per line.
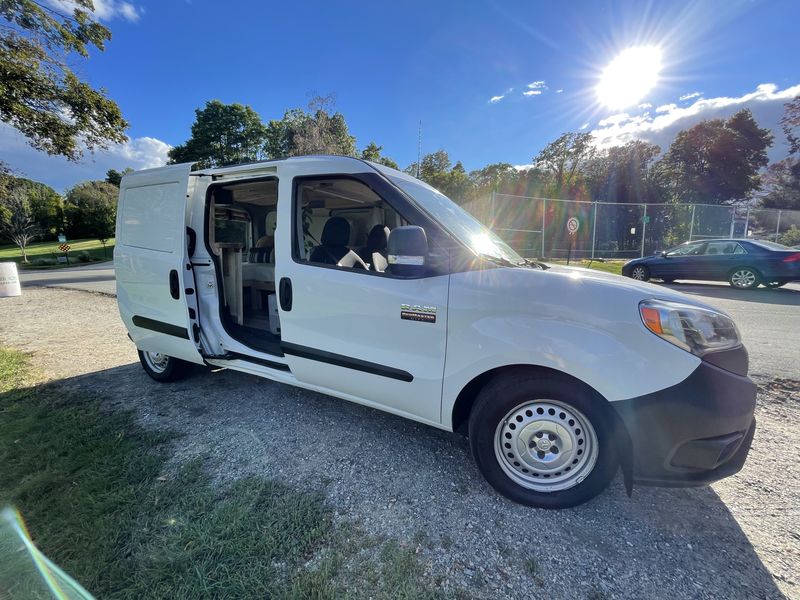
<point>594,228</point>
<point>544,212</point>
<point>778,226</point>
<point>747,223</point>
<point>644,227</point>
<point>691,226</point>
<point>733,222</point>
<point>493,208</point>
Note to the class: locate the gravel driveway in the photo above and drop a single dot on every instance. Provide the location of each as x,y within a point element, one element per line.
<point>739,538</point>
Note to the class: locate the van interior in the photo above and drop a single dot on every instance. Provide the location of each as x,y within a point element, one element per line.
<point>340,222</point>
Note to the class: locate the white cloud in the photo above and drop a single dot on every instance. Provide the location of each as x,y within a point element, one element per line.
<point>558,91</point>
<point>496,99</point>
<point>766,104</point>
<point>105,10</point>
<point>690,96</point>
<point>537,85</point>
<point>58,172</point>
<point>645,105</point>
<point>532,93</point>
<point>585,125</point>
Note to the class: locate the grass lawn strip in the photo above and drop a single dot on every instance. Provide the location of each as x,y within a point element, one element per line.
<point>101,502</point>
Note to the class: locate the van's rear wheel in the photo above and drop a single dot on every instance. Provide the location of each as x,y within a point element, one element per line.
<point>163,368</point>
<point>542,441</point>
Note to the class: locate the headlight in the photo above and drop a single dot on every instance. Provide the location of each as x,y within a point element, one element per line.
<point>696,330</point>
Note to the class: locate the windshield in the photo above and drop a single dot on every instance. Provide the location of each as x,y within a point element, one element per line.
<point>457,221</point>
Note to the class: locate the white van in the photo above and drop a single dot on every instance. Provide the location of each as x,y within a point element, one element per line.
<point>352,279</point>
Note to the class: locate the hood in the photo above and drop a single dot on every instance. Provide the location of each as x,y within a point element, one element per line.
<point>588,279</point>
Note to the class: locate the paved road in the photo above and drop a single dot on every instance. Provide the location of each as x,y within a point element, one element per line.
<point>92,278</point>
<point>769,320</point>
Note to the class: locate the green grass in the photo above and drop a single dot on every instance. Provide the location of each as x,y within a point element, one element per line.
<point>102,501</point>
<point>608,266</point>
<point>49,251</point>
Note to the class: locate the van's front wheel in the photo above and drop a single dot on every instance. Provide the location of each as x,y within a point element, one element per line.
<point>542,441</point>
<point>163,368</point>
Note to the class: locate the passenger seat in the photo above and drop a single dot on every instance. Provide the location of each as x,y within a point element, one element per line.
<point>334,250</point>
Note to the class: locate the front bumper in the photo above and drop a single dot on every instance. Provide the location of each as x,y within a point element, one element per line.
<point>692,433</point>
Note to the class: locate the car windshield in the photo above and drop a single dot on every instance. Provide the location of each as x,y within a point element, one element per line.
<point>769,245</point>
<point>462,225</point>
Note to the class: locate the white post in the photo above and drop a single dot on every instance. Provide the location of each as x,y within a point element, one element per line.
<point>644,227</point>
<point>691,226</point>
<point>594,228</point>
<point>747,223</point>
<point>544,213</point>
<point>493,209</point>
<point>778,226</point>
<point>733,222</point>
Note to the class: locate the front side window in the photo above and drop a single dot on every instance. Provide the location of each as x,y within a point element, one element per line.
<point>461,225</point>
<point>342,222</point>
<point>687,250</point>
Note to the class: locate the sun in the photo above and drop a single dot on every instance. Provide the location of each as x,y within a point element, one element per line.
<point>630,76</point>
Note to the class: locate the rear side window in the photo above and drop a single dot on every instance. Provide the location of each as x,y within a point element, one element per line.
<point>150,218</point>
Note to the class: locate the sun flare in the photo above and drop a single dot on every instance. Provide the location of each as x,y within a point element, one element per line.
<point>630,76</point>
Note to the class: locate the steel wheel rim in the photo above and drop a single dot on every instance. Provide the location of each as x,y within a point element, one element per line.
<point>743,278</point>
<point>638,273</point>
<point>546,445</point>
<point>156,361</point>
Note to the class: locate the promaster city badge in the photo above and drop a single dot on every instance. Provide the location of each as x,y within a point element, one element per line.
<point>426,314</point>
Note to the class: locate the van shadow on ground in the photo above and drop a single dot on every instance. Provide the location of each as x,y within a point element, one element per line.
<point>418,485</point>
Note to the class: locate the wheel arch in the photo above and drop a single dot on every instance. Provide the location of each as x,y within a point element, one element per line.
<point>745,266</point>
<point>466,399</point>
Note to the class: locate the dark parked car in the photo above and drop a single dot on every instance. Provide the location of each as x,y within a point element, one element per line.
<point>743,263</point>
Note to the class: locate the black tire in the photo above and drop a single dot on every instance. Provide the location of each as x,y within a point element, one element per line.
<point>173,369</point>
<point>520,390</point>
<point>775,284</point>
<point>744,278</point>
<point>640,273</point>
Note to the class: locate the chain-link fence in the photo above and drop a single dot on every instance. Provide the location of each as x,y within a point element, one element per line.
<point>552,228</point>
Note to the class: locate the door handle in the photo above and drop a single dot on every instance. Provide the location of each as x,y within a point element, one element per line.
<point>174,284</point>
<point>285,293</point>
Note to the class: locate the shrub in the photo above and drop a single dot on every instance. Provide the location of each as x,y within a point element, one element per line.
<point>43,262</point>
<point>790,237</point>
<point>83,257</point>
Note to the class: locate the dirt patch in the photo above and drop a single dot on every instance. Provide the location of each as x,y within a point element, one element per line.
<point>739,538</point>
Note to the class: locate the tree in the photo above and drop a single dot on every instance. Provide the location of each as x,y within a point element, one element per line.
<point>625,174</point>
<point>717,161</point>
<point>114,177</point>
<point>222,134</point>
<point>373,153</point>
<point>91,210</point>
<point>562,160</point>
<point>16,221</point>
<point>319,131</point>
<point>781,184</point>
<point>40,95</point>
<point>497,177</point>
<point>790,122</point>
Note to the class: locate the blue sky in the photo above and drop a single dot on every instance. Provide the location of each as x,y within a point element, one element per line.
<point>391,65</point>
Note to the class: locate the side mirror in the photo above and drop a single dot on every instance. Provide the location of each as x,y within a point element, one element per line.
<point>664,254</point>
<point>408,251</point>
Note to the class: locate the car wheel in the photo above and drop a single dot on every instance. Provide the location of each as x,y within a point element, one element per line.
<point>744,278</point>
<point>542,441</point>
<point>163,368</point>
<point>640,273</point>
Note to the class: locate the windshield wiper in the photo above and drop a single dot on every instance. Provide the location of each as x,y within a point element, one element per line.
<point>498,260</point>
<point>534,263</point>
